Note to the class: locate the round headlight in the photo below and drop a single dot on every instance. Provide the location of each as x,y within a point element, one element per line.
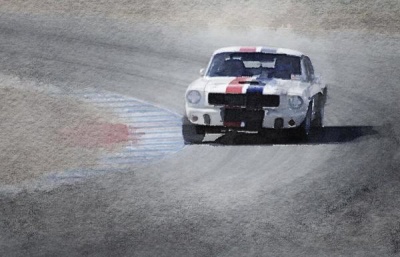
<point>193,96</point>
<point>295,102</point>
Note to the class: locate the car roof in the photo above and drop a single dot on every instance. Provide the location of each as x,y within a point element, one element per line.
<point>259,49</point>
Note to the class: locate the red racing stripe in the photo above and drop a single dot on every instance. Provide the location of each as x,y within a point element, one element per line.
<point>232,124</point>
<point>234,86</point>
<point>248,49</point>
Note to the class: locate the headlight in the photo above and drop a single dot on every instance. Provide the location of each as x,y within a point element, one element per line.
<point>193,96</point>
<point>295,102</point>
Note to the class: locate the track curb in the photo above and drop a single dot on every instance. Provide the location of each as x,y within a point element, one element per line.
<point>153,134</point>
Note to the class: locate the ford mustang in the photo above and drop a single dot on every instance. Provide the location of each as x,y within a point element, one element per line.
<point>254,89</point>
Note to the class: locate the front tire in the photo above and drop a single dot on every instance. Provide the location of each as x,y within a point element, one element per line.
<point>304,130</point>
<point>192,134</point>
<point>307,123</point>
<point>319,106</point>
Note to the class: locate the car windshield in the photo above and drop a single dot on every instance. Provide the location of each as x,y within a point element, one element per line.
<point>264,65</point>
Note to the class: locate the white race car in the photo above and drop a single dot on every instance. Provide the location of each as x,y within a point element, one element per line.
<point>254,89</point>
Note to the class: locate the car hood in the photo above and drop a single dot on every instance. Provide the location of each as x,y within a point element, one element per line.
<point>250,84</point>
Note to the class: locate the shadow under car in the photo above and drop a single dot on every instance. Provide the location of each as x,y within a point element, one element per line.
<point>325,135</point>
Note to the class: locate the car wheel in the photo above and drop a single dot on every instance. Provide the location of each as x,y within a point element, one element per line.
<point>192,134</point>
<point>319,105</point>
<point>306,125</point>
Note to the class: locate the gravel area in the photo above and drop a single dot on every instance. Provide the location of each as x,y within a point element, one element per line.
<point>40,133</point>
<point>379,16</point>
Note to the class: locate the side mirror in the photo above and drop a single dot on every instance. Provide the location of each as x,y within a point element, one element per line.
<point>202,72</point>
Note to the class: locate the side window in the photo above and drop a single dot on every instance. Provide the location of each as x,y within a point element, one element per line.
<point>305,65</point>
<point>309,68</point>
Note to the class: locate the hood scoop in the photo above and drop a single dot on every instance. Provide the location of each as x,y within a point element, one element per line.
<point>254,82</point>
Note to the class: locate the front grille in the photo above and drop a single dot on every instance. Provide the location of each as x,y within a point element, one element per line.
<point>227,99</point>
<point>253,101</point>
<point>252,118</point>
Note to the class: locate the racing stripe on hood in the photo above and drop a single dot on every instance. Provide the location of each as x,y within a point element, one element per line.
<point>234,87</point>
<point>255,89</point>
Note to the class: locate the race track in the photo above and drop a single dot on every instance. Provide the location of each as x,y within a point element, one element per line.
<point>338,195</point>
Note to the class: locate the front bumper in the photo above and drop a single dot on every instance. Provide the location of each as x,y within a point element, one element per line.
<point>273,118</point>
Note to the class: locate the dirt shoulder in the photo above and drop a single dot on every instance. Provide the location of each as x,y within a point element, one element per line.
<point>41,133</point>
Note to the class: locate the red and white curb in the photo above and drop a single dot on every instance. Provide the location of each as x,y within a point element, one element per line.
<point>153,133</point>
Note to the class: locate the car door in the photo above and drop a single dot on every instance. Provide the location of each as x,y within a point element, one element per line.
<point>314,84</point>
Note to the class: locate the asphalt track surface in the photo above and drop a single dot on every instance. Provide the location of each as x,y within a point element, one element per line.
<point>337,195</point>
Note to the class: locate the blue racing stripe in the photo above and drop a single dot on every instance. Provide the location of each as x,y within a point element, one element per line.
<point>267,50</point>
<point>255,89</point>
